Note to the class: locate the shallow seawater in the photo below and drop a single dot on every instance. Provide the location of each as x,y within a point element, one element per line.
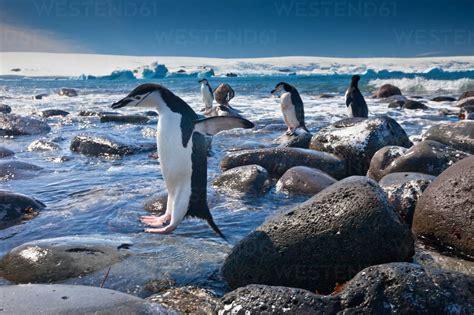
<point>96,196</point>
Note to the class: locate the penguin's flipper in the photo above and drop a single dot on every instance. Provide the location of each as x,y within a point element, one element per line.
<point>212,125</point>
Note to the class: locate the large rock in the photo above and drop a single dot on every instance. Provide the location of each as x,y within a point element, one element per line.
<point>466,95</point>
<point>11,170</point>
<point>51,260</point>
<point>387,90</point>
<point>187,300</point>
<point>444,212</point>
<point>14,125</point>
<point>126,119</point>
<point>326,240</point>
<point>17,207</point>
<point>356,140</point>
<point>278,160</point>
<point>428,157</point>
<point>469,101</point>
<point>43,145</point>
<point>459,135</point>
<point>106,146</point>
<point>67,92</point>
<point>301,140</point>
<point>411,104</point>
<point>396,288</point>
<point>5,109</point>
<point>443,99</point>
<point>248,179</point>
<point>403,191</point>
<point>71,299</point>
<point>54,112</point>
<point>302,180</point>
<point>4,152</point>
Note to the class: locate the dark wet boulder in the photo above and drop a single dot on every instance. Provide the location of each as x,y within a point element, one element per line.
<point>43,145</point>
<point>247,179</point>
<point>54,112</point>
<point>88,113</point>
<point>411,104</point>
<point>299,141</point>
<point>466,95</point>
<point>67,92</point>
<point>40,96</point>
<point>278,160</point>
<point>11,170</point>
<point>458,135</point>
<point>106,146</point>
<point>326,95</point>
<point>403,191</point>
<point>387,90</point>
<point>50,260</point>
<point>14,125</point>
<point>15,208</point>
<point>71,299</point>
<point>444,212</point>
<point>4,152</point>
<point>395,288</point>
<point>325,240</point>
<point>187,300</point>
<point>443,99</point>
<point>125,119</point>
<point>302,180</point>
<point>396,104</point>
<point>157,203</point>
<point>429,258</point>
<point>469,101</point>
<point>428,157</point>
<point>357,139</point>
<point>5,109</point>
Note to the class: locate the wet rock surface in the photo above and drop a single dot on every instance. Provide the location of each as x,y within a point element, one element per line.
<point>429,258</point>
<point>50,260</point>
<point>71,299</point>
<point>15,208</point>
<point>106,146</point>
<point>356,140</point>
<point>12,170</point>
<point>411,104</point>
<point>54,112</point>
<point>248,179</point>
<point>278,160</point>
<point>326,240</point>
<point>43,145</point>
<point>404,190</point>
<point>4,152</point>
<point>428,157</point>
<point>299,141</point>
<point>396,288</point>
<point>5,109</point>
<point>157,203</point>
<point>14,125</point>
<point>187,300</point>
<point>67,92</point>
<point>469,101</point>
<point>466,95</point>
<point>444,212</point>
<point>126,119</point>
<point>302,180</point>
<point>443,99</point>
<point>387,90</point>
<point>459,135</point>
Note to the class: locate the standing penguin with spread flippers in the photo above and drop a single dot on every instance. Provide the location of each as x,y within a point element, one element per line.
<point>207,97</point>
<point>355,102</point>
<point>291,107</point>
<point>183,154</point>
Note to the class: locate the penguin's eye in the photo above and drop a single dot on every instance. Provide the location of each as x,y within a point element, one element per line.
<point>138,97</point>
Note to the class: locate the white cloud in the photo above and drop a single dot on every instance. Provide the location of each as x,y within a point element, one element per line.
<point>16,39</point>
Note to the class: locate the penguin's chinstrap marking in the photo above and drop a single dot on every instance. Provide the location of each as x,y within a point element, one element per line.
<point>182,152</point>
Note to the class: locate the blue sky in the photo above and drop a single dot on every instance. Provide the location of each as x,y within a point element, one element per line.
<point>240,28</point>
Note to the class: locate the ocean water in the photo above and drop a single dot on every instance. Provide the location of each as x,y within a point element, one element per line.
<point>104,198</point>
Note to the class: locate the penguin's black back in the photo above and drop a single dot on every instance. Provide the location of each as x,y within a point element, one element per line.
<point>356,100</point>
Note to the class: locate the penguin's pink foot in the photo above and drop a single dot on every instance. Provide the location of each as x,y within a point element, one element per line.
<point>155,221</point>
<point>165,230</point>
<point>290,132</point>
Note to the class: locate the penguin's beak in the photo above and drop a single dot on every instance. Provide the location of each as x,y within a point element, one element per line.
<point>123,102</point>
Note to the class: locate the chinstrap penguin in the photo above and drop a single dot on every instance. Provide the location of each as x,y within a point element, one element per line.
<point>207,96</point>
<point>355,102</point>
<point>291,106</point>
<point>182,152</point>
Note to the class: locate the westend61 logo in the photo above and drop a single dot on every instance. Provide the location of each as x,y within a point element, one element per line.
<point>443,37</point>
<point>338,8</point>
<point>104,8</point>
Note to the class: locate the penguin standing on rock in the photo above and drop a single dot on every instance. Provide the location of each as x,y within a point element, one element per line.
<point>355,102</point>
<point>291,107</point>
<point>207,96</point>
<point>183,154</point>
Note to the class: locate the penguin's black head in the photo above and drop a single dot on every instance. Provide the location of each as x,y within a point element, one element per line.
<point>355,79</point>
<point>282,86</point>
<point>203,81</point>
<point>141,96</point>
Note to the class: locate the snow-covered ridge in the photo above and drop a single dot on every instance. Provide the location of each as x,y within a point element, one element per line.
<point>135,67</point>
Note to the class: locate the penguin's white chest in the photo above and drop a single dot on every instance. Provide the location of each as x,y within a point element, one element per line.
<point>207,97</point>
<point>288,110</point>
<point>349,108</point>
<point>175,159</point>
